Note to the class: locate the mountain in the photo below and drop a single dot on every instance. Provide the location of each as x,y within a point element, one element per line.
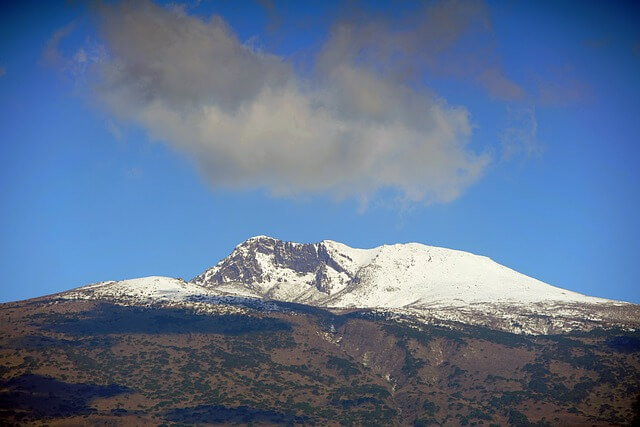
<point>281,333</point>
<point>425,282</point>
<point>331,274</point>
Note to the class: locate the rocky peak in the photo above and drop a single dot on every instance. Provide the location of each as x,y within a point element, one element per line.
<point>265,260</point>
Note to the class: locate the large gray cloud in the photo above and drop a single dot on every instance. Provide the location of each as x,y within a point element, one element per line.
<point>357,124</point>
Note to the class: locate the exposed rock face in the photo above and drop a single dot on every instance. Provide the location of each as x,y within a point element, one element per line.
<point>266,265</point>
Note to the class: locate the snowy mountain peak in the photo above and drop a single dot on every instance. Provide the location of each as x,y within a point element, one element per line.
<point>333,274</point>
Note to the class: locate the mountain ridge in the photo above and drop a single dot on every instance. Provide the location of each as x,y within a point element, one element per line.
<point>427,283</point>
<point>248,259</point>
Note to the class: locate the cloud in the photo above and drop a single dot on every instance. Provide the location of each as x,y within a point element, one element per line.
<point>498,86</point>
<point>78,63</point>
<point>597,43</point>
<point>560,86</point>
<point>51,54</point>
<point>520,136</point>
<point>273,19</point>
<point>114,130</point>
<point>447,38</point>
<point>3,71</point>
<point>249,120</point>
<point>133,173</point>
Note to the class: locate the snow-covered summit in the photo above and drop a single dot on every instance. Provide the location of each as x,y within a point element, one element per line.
<point>332,274</point>
<point>152,289</point>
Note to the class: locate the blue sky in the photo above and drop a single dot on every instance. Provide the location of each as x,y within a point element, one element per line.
<point>150,139</point>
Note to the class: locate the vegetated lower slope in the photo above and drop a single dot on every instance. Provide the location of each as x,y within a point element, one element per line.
<point>66,362</point>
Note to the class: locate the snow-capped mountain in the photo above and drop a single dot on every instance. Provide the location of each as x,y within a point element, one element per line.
<point>425,282</point>
<point>331,274</point>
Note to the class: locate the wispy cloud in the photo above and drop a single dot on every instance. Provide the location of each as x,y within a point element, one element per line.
<point>273,19</point>
<point>498,86</point>
<point>80,60</point>
<point>597,43</point>
<point>134,173</point>
<point>446,38</point>
<point>3,71</point>
<point>51,54</point>
<point>561,86</point>
<point>114,130</point>
<point>520,136</point>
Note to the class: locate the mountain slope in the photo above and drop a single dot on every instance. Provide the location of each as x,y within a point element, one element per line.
<point>415,279</point>
<point>91,362</point>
